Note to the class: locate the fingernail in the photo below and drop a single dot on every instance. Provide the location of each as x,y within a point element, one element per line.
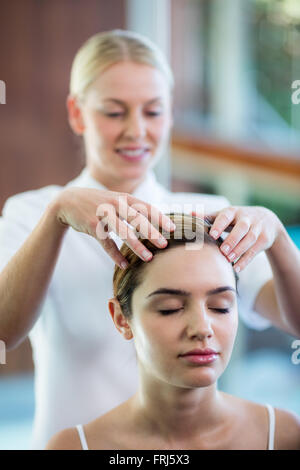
<point>124,265</point>
<point>170,225</point>
<point>146,255</point>
<point>225,249</point>
<point>162,242</point>
<point>231,256</point>
<point>214,233</point>
<point>237,269</point>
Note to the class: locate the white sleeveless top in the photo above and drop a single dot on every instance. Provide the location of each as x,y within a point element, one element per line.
<point>270,437</point>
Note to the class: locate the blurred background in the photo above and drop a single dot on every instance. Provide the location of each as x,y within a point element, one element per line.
<point>236,133</point>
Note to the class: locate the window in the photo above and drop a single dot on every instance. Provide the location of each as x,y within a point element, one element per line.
<point>234,64</point>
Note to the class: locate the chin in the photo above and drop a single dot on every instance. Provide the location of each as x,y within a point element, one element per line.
<point>201,378</point>
<point>133,169</point>
<point>133,172</point>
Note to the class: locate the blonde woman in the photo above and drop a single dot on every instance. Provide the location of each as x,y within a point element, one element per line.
<point>181,312</point>
<point>59,244</point>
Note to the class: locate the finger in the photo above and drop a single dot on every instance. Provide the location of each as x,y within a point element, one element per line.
<point>222,221</point>
<point>241,247</point>
<point>134,215</point>
<point>248,256</point>
<point>108,216</point>
<point>144,228</point>
<point>154,215</point>
<point>110,246</point>
<point>209,218</point>
<point>239,231</point>
<point>147,219</point>
<point>126,234</point>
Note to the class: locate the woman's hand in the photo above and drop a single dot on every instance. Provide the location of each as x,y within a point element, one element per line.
<point>98,212</point>
<point>252,229</point>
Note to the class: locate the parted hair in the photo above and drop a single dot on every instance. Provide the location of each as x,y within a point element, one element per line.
<point>108,48</point>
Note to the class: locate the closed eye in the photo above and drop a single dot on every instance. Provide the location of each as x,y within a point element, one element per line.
<point>219,310</point>
<point>153,113</point>
<point>149,113</point>
<point>114,114</point>
<point>168,312</point>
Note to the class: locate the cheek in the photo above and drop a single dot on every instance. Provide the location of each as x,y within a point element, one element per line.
<point>103,129</point>
<point>226,333</point>
<point>151,340</point>
<point>161,128</point>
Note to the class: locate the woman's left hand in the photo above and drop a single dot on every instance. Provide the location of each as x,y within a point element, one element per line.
<point>252,229</point>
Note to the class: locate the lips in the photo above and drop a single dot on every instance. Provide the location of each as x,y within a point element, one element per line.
<point>200,352</point>
<point>198,357</point>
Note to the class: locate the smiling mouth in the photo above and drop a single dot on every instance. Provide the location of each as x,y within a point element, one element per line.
<point>133,154</point>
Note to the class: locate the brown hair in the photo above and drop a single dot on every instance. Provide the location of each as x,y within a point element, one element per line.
<point>189,229</point>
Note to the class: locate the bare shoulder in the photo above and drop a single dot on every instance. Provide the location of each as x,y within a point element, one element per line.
<point>104,432</point>
<point>111,430</point>
<point>287,430</point>
<point>254,418</point>
<point>67,439</point>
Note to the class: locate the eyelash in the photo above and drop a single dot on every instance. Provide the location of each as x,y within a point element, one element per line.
<point>219,310</point>
<point>115,115</point>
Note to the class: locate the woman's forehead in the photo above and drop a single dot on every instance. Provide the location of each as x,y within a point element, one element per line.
<point>126,80</point>
<point>206,268</point>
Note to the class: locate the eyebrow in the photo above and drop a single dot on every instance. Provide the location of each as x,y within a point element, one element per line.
<point>115,100</point>
<point>166,290</point>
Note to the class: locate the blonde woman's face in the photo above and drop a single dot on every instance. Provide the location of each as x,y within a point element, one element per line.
<point>201,313</point>
<point>127,121</point>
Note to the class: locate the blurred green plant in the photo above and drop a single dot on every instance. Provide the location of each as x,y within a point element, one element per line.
<point>276,51</point>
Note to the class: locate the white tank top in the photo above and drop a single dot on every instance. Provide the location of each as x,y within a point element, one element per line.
<point>270,437</point>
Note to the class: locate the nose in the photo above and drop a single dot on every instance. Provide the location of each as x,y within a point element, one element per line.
<point>135,126</point>
<point>199,324</point>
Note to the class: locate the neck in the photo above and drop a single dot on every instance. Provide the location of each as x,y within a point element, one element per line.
<point>176,414</point>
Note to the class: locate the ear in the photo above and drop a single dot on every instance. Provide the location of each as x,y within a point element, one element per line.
<point>75,115</point>
<point>120,321</point>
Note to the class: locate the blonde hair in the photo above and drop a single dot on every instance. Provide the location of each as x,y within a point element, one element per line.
<point>125,281</point>
<point>107,48</point>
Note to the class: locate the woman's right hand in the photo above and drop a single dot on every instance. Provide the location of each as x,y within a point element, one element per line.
<point>98,212</point>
